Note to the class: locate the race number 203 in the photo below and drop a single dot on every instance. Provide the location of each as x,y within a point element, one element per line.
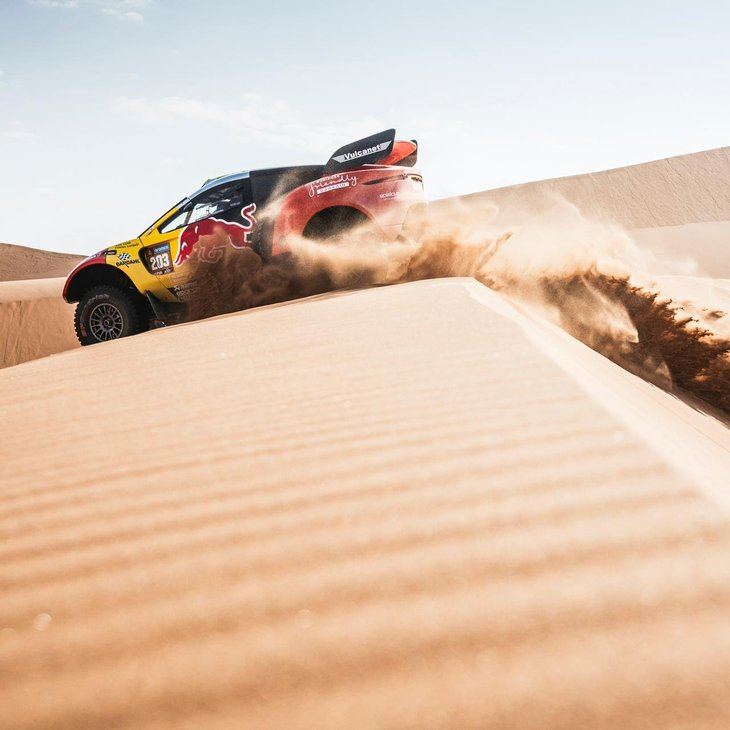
<point>159,261</point>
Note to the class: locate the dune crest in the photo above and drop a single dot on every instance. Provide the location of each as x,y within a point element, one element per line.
<point>673,191</point>
<point>34,321</point>
<point>19,263</point>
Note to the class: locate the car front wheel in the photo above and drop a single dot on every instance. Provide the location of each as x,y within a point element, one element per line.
<point>106,313</point>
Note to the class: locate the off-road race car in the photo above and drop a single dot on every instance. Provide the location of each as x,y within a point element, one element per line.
<point>124,288</point>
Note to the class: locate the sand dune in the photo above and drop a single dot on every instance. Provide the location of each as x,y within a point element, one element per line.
<point>400,507</point>
<point>676,191</point>
<point>34,320</point>
<point>396,507</point>
<point>22,262</point>
<point>693,248</point>
<point>677,209</point>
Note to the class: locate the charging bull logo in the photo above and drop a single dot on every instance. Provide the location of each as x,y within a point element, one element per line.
<point>218,234</point>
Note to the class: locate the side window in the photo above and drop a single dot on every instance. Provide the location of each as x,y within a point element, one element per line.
<point>177,221</point>
<point>216,201</point>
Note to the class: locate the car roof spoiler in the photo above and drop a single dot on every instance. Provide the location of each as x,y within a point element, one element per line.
<point>367,151</point>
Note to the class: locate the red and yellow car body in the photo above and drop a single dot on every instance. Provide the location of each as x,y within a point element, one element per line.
<point>369,181</point>
<point>383,194</point>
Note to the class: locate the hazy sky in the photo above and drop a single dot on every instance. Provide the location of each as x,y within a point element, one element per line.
<point>111,110</point>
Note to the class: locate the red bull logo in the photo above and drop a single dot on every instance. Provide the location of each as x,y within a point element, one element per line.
<point>218,234</point>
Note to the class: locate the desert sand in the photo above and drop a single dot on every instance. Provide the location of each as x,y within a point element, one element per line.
<point>675,191</point>
<point>700,249</point>
<point>34,320</point>
<point>490,531</point>
<point>677,209</point>
<point>22,262</point>
<point>414,505</point>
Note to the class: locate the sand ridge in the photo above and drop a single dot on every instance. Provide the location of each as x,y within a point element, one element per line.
<point>345,545</point>
<point>23,262</point>
<point>34,320</point>
<point>674,191</point>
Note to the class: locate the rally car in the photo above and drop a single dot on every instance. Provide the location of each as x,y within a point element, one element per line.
<point>125,287</point>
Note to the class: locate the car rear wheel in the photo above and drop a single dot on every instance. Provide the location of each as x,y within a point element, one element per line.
<point>107,313</point>
<point>336,225</point>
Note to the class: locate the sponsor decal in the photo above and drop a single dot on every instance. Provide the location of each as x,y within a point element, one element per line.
<point>330,183</point>
<point>237,235</point>
<point>111,252</point>
<point>361,153</point>
<point>389,196</point>
<point>183,291</point>
<point>126,259</point>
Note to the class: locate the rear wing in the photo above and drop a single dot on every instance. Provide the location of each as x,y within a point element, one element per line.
<point>366,151</point>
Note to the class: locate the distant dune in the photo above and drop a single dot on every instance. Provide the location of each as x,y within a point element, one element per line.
<point>677,208</point>
<point>675,191</point>
<point>22,262</point>
<point>698,248</point>
<point>34,320</point>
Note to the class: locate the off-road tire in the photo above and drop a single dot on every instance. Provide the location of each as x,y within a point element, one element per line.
<point>107,313</point>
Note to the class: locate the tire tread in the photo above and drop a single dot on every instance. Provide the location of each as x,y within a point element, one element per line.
<point>124,298</point>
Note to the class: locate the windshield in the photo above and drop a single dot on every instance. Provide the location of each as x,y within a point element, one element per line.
<point>212,202</point>
<point>164,217</point>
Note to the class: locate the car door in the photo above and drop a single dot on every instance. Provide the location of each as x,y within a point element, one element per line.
<point>200,230</point>
<point>160,245</point>
<point>220,218</point>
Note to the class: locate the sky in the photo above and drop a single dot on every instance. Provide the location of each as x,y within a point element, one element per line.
<point>112,110</point>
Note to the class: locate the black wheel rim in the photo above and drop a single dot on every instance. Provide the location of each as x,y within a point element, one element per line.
<point>106,322</point>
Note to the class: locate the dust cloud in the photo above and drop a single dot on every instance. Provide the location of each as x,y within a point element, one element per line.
<point>585,276</point>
